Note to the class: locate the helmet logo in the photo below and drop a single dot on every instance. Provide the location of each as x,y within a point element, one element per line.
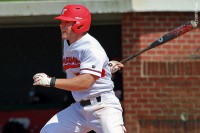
<point>63,11</point>
<point>78,18</point>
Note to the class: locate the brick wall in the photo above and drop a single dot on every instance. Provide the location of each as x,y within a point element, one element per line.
<point>162,84</point>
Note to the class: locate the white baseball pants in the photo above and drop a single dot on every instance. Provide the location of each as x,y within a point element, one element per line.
<point>102,117</point>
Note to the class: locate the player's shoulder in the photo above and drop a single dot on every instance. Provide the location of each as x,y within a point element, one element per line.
<point>91,40</point>
<point>90,45</point>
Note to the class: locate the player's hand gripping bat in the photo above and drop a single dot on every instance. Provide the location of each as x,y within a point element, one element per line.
<point>179,31</point>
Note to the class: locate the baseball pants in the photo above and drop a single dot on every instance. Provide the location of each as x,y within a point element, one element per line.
<point>102,117</point>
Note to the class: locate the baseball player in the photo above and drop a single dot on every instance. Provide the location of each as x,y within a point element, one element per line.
<point>88,78</point>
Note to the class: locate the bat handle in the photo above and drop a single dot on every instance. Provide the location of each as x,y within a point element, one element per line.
<point>126,59</point>
<point>134,55</point>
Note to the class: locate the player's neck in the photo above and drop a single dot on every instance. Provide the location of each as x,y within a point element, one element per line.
<point>75,38</point>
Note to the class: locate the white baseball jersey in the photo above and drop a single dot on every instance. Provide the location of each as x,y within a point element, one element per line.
<point>87,56</point>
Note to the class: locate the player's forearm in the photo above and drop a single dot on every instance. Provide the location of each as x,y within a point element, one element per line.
<point>80,82</point>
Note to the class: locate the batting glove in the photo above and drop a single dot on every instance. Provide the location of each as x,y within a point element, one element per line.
<point>115,66</point>
<point>43,80</point>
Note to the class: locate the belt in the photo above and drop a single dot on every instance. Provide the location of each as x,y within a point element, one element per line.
<point>88,102</point>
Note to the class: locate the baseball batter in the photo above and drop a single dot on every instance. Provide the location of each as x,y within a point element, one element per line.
<point>88,78</point>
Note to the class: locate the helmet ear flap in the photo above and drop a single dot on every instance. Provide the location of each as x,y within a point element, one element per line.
<point>77,27</point>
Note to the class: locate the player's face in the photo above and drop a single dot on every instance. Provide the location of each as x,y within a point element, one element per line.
<point>66,30</point>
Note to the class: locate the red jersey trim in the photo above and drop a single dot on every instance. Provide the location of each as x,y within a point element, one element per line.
<point>65,67</point>
<point>102,72</point>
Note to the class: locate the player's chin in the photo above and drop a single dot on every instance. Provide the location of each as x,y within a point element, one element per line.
<point>64,36</point>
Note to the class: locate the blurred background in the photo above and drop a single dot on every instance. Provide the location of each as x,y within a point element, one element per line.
<point>159,90</point>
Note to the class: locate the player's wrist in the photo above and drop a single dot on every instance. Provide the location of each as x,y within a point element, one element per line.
<point>52,82</point>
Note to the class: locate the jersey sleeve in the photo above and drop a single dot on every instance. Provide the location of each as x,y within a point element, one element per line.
<point>92,62</point>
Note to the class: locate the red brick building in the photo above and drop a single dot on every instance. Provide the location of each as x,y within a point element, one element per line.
<point>162,84</point>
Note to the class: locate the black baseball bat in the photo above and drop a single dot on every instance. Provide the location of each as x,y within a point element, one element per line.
<point>179,31</point>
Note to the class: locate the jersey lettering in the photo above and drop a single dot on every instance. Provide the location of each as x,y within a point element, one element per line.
<point>70,62</point>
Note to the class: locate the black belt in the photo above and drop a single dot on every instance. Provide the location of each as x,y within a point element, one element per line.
<point>87,102</point>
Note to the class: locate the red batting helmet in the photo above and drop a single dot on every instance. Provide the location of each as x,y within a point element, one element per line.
<point>78,14</point>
